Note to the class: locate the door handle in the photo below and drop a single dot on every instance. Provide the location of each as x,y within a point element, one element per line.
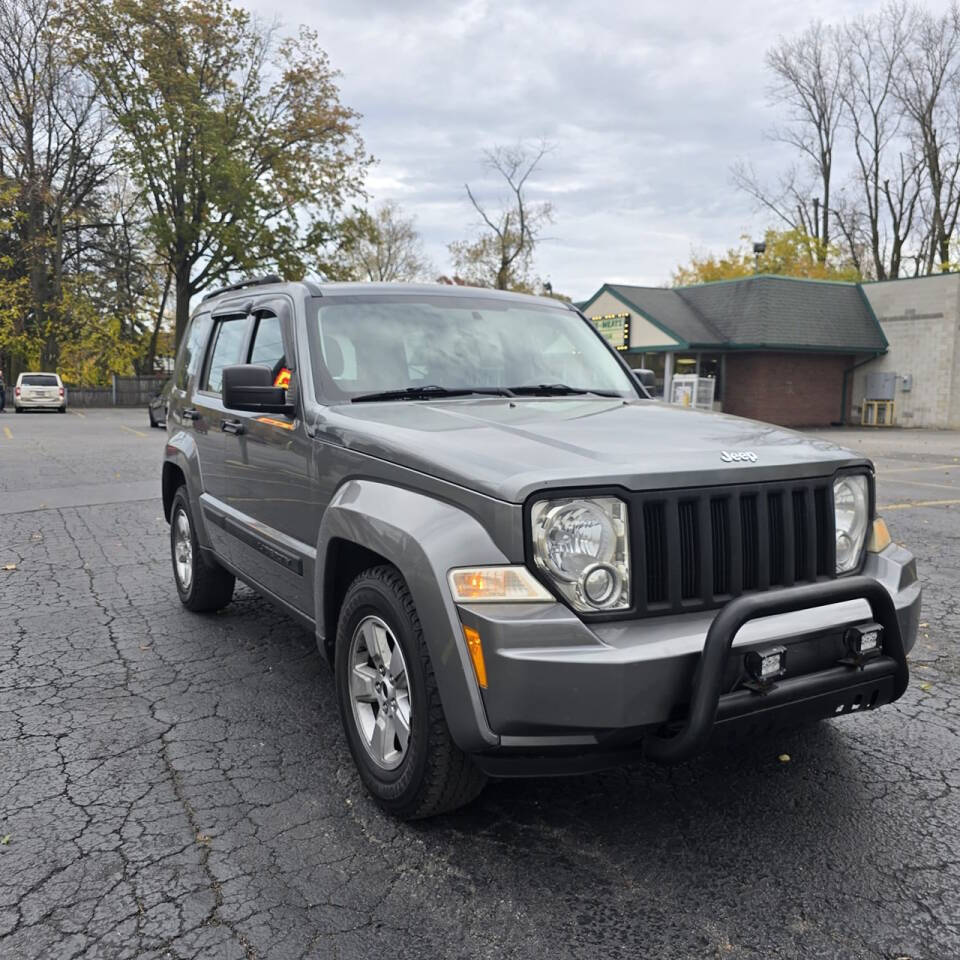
<point>190,414</point>
<point>231,426</point>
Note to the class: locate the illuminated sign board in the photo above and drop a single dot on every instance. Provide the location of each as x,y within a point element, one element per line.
<point>615,329</point>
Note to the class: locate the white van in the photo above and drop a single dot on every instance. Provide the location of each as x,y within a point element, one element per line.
<point>39,391</point>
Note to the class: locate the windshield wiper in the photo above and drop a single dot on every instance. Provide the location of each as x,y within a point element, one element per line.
<point>429,392</point>
<point>558,390</point>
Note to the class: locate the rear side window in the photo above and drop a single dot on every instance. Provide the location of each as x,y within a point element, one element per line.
<point>39,380</point>
<point>191,351</point>
<point>228,339</point>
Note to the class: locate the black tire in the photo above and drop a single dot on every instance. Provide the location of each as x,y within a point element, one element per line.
<point>209,587</point>
<point>61,409</point>
<point>434,776</point>
<point>153,423</point>
<point>18,409</point>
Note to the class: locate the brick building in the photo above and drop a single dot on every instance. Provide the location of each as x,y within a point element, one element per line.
<point>779,349</point>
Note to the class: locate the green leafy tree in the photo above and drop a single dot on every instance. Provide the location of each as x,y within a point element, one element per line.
<point>240,142</point>
<point>97,345</point>
<point>135,282</point>
<point>788,253</point>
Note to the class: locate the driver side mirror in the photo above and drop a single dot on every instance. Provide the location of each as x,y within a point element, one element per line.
<point>249,386</point>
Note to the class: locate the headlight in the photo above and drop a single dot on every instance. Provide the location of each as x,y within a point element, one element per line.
<point>851,505</point>
<point>582,545</point>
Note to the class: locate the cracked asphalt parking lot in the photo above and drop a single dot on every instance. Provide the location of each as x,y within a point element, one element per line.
<point>174,785</point>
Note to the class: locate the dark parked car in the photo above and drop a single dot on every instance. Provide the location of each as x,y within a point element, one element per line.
<point>515,563</point>
<point>157,407</point>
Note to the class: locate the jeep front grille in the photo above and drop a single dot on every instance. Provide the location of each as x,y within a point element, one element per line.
<point>696,549</point>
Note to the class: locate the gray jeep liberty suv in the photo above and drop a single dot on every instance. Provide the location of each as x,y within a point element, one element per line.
<point>515,561</point>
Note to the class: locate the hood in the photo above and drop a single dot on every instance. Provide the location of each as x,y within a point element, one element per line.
<point>509,449</point>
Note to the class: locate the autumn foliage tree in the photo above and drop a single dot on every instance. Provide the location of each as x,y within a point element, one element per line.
<point>788,253</point>
<point>239,139</point>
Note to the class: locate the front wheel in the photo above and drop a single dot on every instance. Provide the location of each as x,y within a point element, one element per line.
<point>390,705</point>
<point>203,585</point>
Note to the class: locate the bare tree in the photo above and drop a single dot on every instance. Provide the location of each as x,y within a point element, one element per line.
<point>502,255</point>
<point>889,172</point>
<point>393,249</point>
<point>878,98</point>
<point>808,80</point>
<point>928,90</point>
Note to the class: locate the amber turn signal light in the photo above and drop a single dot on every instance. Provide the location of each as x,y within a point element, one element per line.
<point>880,537</point>
<point>476,655</point>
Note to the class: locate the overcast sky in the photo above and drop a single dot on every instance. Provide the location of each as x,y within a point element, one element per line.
<point>647,106</point>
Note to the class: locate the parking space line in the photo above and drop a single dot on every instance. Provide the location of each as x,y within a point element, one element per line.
<point>8,433</point>
<point>77,413</point>
<point>135,432</point>
<point>927,469</point>
<point>919,503</point>
<point>924,483</point>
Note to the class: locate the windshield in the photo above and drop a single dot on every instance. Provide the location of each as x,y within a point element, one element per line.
<point>373,344</point>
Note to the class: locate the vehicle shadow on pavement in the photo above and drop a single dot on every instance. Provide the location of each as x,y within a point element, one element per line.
<point>789,837</point>
<point>807,836</point>
<point>737,851</point>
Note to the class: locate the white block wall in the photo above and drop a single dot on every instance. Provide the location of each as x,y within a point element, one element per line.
<point>921,321</point>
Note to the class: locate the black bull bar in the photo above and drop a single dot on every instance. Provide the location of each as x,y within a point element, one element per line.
<point>891,666</point>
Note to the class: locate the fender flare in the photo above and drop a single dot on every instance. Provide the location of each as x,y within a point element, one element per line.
<point>181,451</point>
<point>423,538</point>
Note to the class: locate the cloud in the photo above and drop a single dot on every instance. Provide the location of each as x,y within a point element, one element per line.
<point>647,106</point>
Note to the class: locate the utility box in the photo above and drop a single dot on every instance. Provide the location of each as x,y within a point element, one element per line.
<point>881,386</point>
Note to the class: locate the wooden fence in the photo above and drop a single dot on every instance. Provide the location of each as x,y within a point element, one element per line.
<point>89,396</point>
<point>123,392</point>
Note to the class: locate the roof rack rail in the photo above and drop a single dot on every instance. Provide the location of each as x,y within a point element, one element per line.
<point>249,282</point>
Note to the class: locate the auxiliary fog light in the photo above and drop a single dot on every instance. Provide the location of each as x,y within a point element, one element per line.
<point>765,666</point>
<point>863,641</point>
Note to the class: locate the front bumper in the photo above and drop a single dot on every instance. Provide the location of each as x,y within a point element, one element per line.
<point>574,694</point>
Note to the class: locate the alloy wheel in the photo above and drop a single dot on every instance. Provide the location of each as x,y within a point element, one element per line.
<point>380,692</point>
<point>182,550</point>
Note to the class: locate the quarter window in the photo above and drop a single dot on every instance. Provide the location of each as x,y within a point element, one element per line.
<point>268,344</point>
<point>227,349</point>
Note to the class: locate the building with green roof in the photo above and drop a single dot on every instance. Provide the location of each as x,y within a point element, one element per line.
<point>779,349</point>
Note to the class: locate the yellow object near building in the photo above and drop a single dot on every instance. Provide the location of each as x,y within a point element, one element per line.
<point>877,413</point>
